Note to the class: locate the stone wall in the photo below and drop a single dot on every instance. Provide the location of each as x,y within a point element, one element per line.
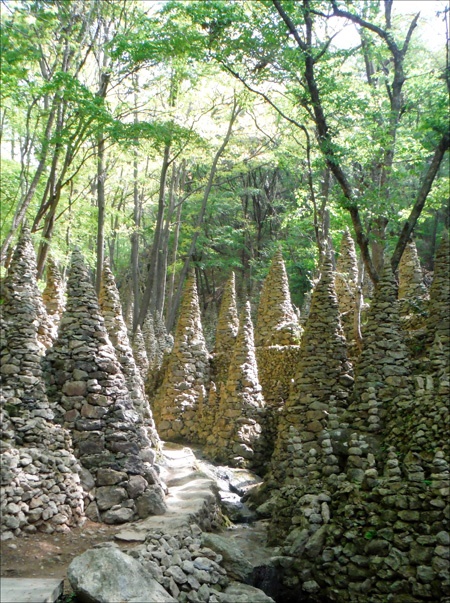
<point>40,486</point>
<point>187,376</point>
<point>88,391</point>
<point>236,433</point>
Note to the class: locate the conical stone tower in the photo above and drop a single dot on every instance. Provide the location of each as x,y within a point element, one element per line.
<point>226,332</point>
<point>237,431</point>
<point>117,330</point>
<point>139,352</point>
<point>438,322</point>
<point>278,351</point>
<point>410,275</point>
<point>53,295</point>
<point>277,323</point>
<point>89,393</point>
<point>187,374</point>
<point>320,390</point>
<point>346,286</point>
<point>382,374</point>
<point>36,454</point>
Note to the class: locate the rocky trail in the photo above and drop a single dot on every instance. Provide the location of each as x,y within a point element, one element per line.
<point>195,487</point>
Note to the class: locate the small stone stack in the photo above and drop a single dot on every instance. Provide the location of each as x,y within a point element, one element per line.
<point>278,352</point>
<point>117,330</point>
<point>382,375</point>
<point>410,275</point>
<point>319,393</point>
<point>140,352</point>
<point>226,333</point>
<point>277,322</point>
<point>237,430</point>
<point>163,338</point>
<point>346,286</point>
<point>40,486</point>
<point>54,295</point>
<point>89,393</point>
<point>148,332</point>
<point>187,375</point>
<point>438,321</point>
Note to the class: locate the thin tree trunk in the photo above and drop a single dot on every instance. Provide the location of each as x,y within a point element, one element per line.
<point>176,236</point>
<point>177,298</point>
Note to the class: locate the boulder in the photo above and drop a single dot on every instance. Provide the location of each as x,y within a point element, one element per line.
<point>237,592</point>
<point>234,561</point>
<point>110,576</point>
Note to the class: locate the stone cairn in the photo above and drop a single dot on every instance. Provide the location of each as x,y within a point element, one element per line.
<point>438,321</point>
<point>90,396</point>
<point>226,332</point>
<point>410,275</point>
<point>148,332</point>
<point>117,330</point>
<point>346,288</point>
<point>277,338</point>
<point>54,295</point>
<point>319,394</point>
<point>40,485</point>
<point>383,372</point>
<point>140,352</point>
<point>159,344</point>
<point>186,379</point>
<point>237,430</point>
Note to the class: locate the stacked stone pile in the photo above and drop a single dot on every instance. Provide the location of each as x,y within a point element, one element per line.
<point>140,352</point>
<point>226,333</point>
<point>53,294</point>
<point>237,429</point>
<point>410,275</point>
<point>163,338</point>
<point>346,286</point>
<point>382,390</point>
<point>148,332</point>
<point>319,393</point>
<point>278,353</point>
<point>187,376</point>
<point>438,321</point>
<point>277,322</point>
<point>40,486</point>
<point>115,325</point>
<point>89,394</point>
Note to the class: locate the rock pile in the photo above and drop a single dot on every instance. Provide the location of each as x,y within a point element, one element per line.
<point>438,321</point>
<point>89,394</point>
<point>319,393</point>
<point>187,376</point>
<point>278,353</point>
<point>346,285</point>
<point>277,323</point>
<point>40,486</point>
<point>117,330</point>
<point>226,333</point>
<point>237,429</point>
<point>53,294</point>
<point>383,373</point>
<point>140,352</point>
<point>410,275</point>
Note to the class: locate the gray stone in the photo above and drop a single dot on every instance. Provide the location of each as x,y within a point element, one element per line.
<point>108,576</point>
<point>233,560</point>
<point>117,516</point>
<point>108,496</point>
<point>151,503</point>
<point>244,593</point>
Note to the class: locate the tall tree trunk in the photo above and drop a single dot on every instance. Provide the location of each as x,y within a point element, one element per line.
<point>176,236</point>
<point>177,298</point>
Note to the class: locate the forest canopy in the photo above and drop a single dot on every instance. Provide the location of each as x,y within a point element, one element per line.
<point>209,133</point>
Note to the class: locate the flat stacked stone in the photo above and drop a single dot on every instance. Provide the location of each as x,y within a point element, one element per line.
<point>148,332</point>
<point>140,352</point>
<point>187,375</point>
<point>319,393</point>
<point>163,338</point>
<point>117,330</point>
<point>278,352</point>
<point>226,332</point>
<point>237,430</point>
<point>438,321</point>
<point>346,286</point>
<point>410,275</point>
<point>89,394</point>
<point>383,372</point>
<point>40,485</point>
<point>54,294</point>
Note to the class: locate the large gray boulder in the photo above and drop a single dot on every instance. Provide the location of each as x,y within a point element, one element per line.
<point>237,592</point>
<point>107,575</point>
<point>234,561</point>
